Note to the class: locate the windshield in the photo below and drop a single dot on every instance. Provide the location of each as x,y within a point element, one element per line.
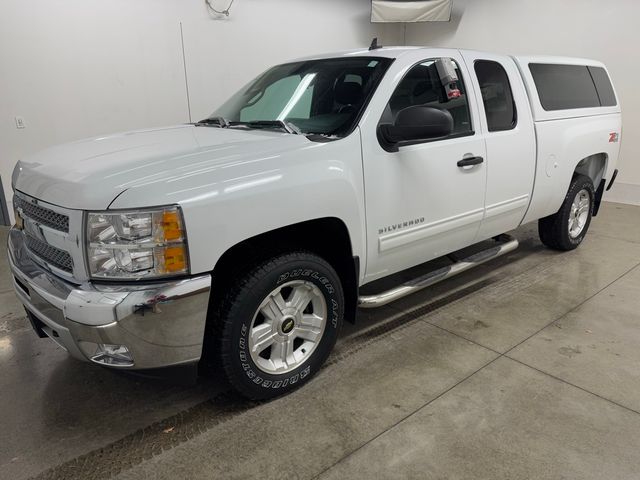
<point>324,97</point>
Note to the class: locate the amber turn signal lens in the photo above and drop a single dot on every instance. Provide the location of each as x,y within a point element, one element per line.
<point>175,259</point>
<point>171,225</point>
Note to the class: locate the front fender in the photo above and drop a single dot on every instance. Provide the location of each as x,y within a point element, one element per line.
<point>256,195</point>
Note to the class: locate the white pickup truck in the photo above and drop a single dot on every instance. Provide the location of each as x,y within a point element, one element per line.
<point>243,241</point>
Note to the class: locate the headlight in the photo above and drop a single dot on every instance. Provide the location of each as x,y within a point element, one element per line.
<point>136,244</point>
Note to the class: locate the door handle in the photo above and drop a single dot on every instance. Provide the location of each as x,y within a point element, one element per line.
<point>471,161</point>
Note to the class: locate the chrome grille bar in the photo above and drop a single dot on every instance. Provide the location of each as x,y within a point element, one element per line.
<point>42,215</point>
<point>52,255</point>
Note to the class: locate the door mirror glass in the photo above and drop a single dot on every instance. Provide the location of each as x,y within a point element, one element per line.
<point>418,123</point>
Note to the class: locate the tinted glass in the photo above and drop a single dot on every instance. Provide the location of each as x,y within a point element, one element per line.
<point>603,85</point>
<point>496,95</point>
<point>422,85</point>
<point>323,97</point>
<point>563,87</point>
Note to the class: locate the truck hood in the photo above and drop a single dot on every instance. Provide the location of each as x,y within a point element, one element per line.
<point>90,174</point>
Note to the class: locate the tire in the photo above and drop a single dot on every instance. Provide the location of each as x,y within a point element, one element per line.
<point>277,324</point>
<point>565,229</point>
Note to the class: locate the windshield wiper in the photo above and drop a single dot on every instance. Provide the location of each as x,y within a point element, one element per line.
<point>219,121</point>
<point>282,124</point>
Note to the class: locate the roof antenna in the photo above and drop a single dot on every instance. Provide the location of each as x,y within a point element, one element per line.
<point>374,44</point>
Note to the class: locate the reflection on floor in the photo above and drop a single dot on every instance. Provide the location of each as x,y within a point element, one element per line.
<point>527,367</point>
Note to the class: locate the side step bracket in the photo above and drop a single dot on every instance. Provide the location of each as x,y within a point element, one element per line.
<point>505,244</point>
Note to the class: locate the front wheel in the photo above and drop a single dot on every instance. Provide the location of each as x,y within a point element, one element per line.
<point>278,323</point>
<point>566,229</point>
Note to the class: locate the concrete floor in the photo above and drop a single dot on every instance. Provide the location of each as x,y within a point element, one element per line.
<point>527,367</point>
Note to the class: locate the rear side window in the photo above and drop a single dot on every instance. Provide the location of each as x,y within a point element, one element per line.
<point>496,95</point>
<point>603,86</point>
<point>562,87</point>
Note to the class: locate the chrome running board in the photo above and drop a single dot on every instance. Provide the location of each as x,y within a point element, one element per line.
<point>505,245</point>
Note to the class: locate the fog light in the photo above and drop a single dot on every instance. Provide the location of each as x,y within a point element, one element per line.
<point>113,355</point>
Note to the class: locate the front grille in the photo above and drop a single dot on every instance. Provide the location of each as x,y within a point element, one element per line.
<point>42,215</point>
<point>52,255</point>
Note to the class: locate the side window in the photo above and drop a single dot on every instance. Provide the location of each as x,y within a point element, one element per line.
<point>496,95</point>
<point>562,87</point>
<point>433,83</point>
<point>603,86</point>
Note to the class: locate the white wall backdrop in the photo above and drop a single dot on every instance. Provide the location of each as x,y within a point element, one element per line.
<point>606,31</point>
<point>77,68</point>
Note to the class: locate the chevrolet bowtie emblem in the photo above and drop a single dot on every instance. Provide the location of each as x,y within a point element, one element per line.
<point>19,220</point>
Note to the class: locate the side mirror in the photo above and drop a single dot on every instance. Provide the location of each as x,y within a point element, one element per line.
<point>415,124</point>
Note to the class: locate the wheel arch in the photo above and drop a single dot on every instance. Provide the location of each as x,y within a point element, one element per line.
<point>327,237</point>
<point>595,167</point>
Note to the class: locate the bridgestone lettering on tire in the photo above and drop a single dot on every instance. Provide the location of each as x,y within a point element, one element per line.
<point>565,229</point>
<point>278,323</point>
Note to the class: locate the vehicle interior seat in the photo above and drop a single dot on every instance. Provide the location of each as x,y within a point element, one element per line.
<point>348,95</point>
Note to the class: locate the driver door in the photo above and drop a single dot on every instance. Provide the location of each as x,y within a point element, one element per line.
<point>420,203</point>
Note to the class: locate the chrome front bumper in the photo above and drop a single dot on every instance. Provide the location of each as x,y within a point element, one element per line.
<point>161,324</point>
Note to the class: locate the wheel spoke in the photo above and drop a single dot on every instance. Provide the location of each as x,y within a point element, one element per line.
<point>272,310</point>
<point>308,333</point>
<point>262,336</point>
<point>312,320</point>
<point>301,297</point>
<point>282,354</point>
<point>310,328</point>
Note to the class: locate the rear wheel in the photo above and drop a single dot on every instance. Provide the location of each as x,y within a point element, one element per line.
<point>565,229</point>
<point>278,323</point>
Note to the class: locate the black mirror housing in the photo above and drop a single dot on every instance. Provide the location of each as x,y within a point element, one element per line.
<point>417,123</point>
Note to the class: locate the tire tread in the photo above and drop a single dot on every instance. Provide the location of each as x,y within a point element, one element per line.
<point>222,313</point>
<point>553,230</point>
